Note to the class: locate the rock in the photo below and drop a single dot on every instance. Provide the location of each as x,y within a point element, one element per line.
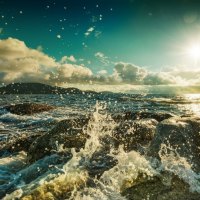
<point>157,188</point>
<point>100,162</point>
<point>36,88</point>
<point>70,126</point>
<point>133,134</point>
<point>28,108</point>
<point>142,115</point>
<point>18,144</point>
<point>68,133</point>
<point>179,137</point>
<point>61,187</point>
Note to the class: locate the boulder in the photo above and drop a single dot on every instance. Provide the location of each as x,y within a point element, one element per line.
<point>178,137</point>
<point>21,143</point>
<point>68,133</point>
<point>28,108</point>
<point>135,133</point>
<point>158,116</point>
<point>158,188</point>
<point>100,162</point>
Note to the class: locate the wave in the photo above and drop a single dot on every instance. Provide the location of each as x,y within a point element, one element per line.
<point>161,100</point>
<point>99,170</point>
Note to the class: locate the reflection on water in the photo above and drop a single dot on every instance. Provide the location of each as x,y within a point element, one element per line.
<point>191,108</point>
<point>75,176</point>
<point>192,96</point>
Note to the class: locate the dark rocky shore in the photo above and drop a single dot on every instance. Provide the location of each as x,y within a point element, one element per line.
<point>28,108</point>
<point>38,88</point>
<point>35,88</point>
<point>143,132</point>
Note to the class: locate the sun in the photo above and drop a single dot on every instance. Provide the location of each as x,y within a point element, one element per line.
<point>194,52</point>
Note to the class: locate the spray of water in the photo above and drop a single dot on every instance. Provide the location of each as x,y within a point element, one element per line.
<point>172,162</point>
<point>74,179</point>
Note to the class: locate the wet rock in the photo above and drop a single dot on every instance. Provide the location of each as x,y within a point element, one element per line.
<point>178,137</point>
<point>59,188</point>
<point>28,108</point>
<point>157,188</point>
<point>100,162</point>
<point>158,116</point>
<point>17,144</point>
<point>136,133</point>
<point>67,133</point>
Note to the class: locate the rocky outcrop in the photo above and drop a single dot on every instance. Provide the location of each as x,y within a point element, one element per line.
<point>18,144</point>
<point>158,116</point>
<point>136,133</point>
<point>36,88</point>
<point>68,133</point>
<point>28,108</point>
<point>179,137</point>
<point>157,188</point>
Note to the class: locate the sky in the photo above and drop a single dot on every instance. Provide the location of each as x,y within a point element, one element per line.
<point>138,42</point>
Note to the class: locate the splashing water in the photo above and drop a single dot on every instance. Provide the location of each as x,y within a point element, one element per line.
<point>73,178</point>
<point>99,126</point>
<point>171,161</point>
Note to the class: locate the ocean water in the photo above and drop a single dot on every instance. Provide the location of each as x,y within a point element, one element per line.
<point>62,177</point>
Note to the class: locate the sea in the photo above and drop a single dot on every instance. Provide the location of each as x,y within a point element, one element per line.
<point>69,178</point>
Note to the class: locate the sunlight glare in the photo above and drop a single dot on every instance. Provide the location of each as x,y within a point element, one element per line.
<point>194,52</point>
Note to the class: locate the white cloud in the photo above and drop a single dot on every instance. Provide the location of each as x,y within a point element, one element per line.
<point>65,59</point>
<point>16,50</point>
<point>161,78</point>
<point>18,63</point>
<point>99,55</point>
<point>135,75</point>
<point>129,73</point>
<point>102,58</point>
<point>102,72</point>
<point>70,73</point>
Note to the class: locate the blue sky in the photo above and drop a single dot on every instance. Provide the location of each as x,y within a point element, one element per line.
<point>141,32</point>
<point>100,33</point>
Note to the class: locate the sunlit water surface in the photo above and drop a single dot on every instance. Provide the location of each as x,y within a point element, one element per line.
<point>21,179</point>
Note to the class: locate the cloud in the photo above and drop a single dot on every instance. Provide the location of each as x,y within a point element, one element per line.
<point>102,58</point>
<point>129,73</point>
<point>102,72</point>
<point>65,59</point>
<point>69,73</point>
<point>40,48</point>
<point>16,50</point>
<point>19,63</point>
<point>161,78</point>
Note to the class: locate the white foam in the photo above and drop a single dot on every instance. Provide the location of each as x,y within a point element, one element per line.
<point>173,162</point>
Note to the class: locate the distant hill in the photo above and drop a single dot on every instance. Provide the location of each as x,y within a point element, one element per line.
<point>36,88</point>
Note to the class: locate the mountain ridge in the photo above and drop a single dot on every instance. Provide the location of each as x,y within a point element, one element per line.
<point>37,88</point>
